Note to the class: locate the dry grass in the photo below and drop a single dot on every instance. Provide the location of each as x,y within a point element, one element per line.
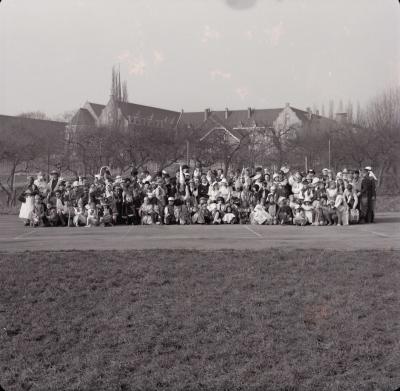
<point>182,320</point>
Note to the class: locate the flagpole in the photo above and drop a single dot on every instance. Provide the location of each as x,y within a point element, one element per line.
<point>329,153</point>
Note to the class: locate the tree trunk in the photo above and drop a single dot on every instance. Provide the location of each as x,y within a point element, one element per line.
<point>11,195</point>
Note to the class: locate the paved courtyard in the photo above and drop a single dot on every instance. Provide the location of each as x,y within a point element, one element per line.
<point>384,234</point>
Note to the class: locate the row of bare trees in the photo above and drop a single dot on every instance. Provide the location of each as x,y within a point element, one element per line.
<point>374,139</point>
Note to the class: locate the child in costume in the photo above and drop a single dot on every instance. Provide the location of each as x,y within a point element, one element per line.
<point>285,214</point>
<point>202,214</point>
<point>308,210</point>
<point>146,212</point>
<point>38,212</point>
<point>185,216</point>
<point>300,217</point>
<point>341,210</point>
<point>229,216</point>
<point>105,213</point>
<point>52,218</point>
<point>329,212</point>
<point>272,202</point>
<point>92,217</point>
<point>260,216</point>
<point>79,214</point>
<point>244,213</point>
<point>128,210</point>
<point>169,212</point>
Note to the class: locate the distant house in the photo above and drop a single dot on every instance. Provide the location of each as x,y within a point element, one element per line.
<point>237,124</point>
<point>39,127</point>
<point>127,115</point>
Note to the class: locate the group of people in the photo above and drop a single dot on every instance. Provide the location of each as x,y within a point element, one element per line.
<point>201,197</point>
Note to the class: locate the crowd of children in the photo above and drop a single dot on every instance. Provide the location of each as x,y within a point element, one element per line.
<point>197,197</point>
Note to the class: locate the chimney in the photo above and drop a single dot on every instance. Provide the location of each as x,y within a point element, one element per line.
<point>249,112</point>
<point>287,104</point>
<point>206,114</point>
<point>309,112</point>
<point>317,113</point>
<point>226,113</point>
<point>341,117</point>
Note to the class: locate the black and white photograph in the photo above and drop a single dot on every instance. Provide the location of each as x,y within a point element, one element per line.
<point>199,195</point>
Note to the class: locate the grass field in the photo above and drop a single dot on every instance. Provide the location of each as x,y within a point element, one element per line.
<point>188,320</point>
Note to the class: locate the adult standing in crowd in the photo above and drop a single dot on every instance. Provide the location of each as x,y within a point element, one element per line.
<point>367,197</point>
<point>27,198</point>
<point>53,184</point>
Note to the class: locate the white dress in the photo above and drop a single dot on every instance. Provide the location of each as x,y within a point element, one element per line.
<point>27,208</point>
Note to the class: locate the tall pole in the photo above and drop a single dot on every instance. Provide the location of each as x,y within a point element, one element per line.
<point>329,153</point>
<point>305,160</point>
<point>187,152</point>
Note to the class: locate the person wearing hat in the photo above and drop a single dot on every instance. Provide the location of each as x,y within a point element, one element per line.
<point>202,214</point>
<point>325,175</point>
<point>52,185</point>
<point>169,212</point>
<point>224,190</point>
<point>41,183</point>
<point>203,188</point>
<point>370,173</point>
<point>367,197</point>
<point>27,199</point>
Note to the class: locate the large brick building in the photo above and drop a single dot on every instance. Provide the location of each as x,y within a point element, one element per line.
<point>234,123</point>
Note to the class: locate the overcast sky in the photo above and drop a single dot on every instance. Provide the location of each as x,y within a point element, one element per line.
<point>193,54</point>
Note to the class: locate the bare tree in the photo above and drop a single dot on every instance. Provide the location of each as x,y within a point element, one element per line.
<point>34,115</point>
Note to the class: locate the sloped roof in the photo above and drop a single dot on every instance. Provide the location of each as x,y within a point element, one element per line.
<point>236,118</point>
<point>97,108</point>
<point>82,117</point>
<point>40,127</point>
<point>133,109</point>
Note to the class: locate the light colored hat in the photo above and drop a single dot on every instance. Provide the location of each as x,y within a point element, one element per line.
<point>171,199</point>
<point>325,170</point>
<point>276,175</point>
<point>285,169</point>
<point>369,168</point>
<point>75,184</point>
<point>315,180</point>
<point>307,199</point>
<point>280,199</point>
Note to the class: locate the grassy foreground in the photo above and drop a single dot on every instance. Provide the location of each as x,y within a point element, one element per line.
<point>186,320</point>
